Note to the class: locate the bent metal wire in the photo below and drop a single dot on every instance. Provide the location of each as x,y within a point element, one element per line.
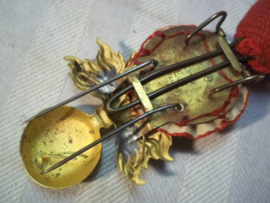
<point>225,49</point>
<point>147,114</point>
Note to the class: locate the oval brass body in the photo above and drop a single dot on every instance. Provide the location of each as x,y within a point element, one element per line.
<point>50,138</point>
<point>194,96</point>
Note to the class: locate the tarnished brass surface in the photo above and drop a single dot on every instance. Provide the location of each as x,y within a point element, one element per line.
<point>58,134</point>
<point>194,96</point>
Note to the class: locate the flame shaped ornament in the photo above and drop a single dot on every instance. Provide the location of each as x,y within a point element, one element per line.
<point>86,74</point>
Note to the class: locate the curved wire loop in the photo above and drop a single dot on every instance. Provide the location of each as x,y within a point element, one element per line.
<point>209,20</point>
<point>249,79</point>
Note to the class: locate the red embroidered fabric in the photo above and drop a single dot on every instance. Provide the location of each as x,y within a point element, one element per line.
<point>255,27</point>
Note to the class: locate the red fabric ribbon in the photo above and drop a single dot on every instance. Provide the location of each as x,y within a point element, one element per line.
<point>255,27</point>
